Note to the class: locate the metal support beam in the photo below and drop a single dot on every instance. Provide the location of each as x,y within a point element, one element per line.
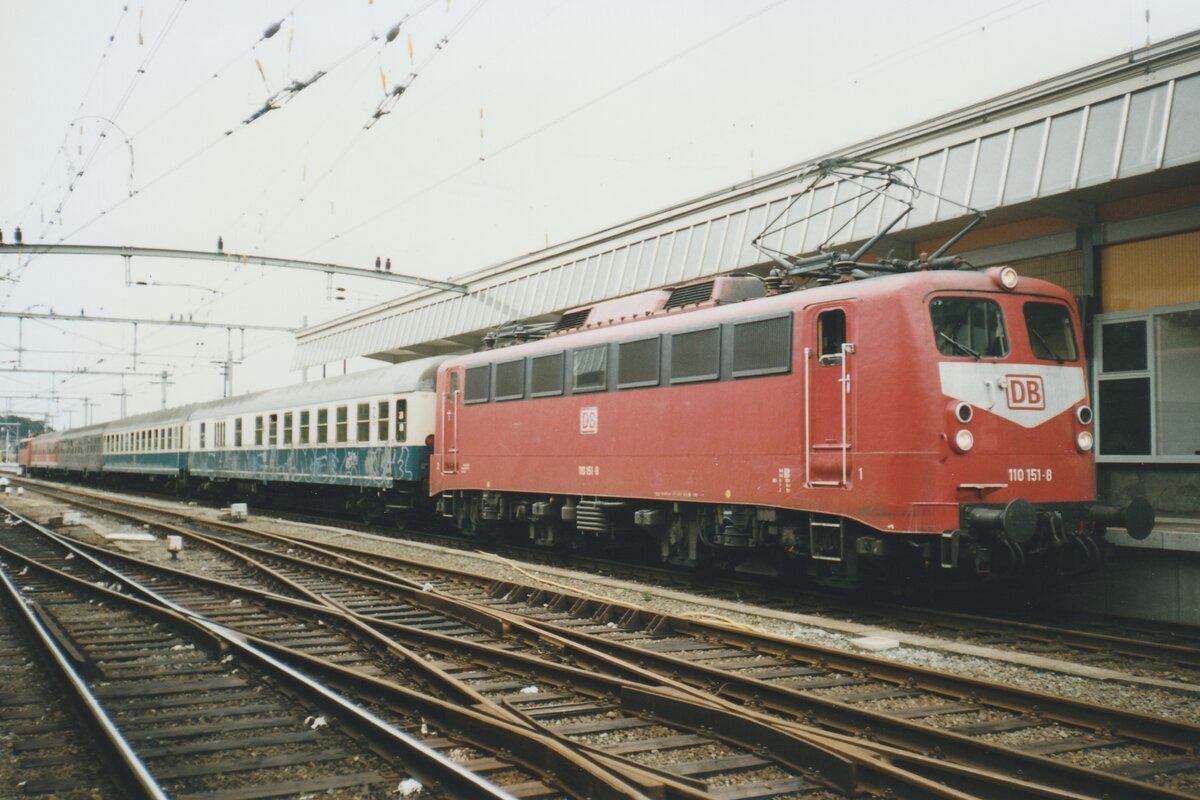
<point>78,372</point>
<point>139,321</point>
<point>232,258</point>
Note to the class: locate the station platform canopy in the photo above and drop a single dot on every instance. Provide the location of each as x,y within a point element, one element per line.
<point>1120,128</point>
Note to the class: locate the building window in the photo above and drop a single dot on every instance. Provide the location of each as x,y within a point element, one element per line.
<point>362,428</point>
<point>287,428</point>
<point>1148,385</point>
<point>322,425</point>
<point>343,425</point>
<point>304,420</point>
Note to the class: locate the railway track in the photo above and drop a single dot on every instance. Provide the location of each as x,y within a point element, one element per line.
<point>977,724</point>
<point>192,710</point>
<point>688,748</point>
<point>1153,650</point>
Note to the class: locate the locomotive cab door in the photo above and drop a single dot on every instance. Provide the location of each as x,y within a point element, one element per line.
<point>828,410</point>
<point>451,405</point>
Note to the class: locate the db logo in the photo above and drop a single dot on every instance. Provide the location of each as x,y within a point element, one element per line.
<point>1025,391</point>
<point>589,420</point>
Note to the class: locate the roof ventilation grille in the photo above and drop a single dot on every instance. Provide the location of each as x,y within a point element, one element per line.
<point>687,295</point>
<point>572,319</point>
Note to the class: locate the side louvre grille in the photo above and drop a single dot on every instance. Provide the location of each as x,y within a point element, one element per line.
<point>687,295</point>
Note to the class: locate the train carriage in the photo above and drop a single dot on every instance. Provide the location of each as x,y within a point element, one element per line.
<point>81,451</point>
<point>362,436</point>
<point>909,423</point>
<point>44,453</point>
<point>148,448</point>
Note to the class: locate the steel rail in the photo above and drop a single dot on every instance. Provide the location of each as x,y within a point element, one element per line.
<point>1090,641</point>
<point>797,747</point>
<point>426,763</point>
<point>840,715</point>
<point>680,705</point>
<point>136,775</point>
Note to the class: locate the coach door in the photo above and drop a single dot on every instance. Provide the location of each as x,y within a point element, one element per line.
<point>451,405</point>
<point>828,418</point>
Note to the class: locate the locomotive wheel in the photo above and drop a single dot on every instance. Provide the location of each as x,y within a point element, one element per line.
<point>467,515</point>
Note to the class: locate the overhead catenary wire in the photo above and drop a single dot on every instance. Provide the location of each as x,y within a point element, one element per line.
<point>78,108</point>
<point>553,122</point>
<point>15,274</point>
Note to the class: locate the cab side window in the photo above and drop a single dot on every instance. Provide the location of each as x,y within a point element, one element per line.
<point>831,335</point>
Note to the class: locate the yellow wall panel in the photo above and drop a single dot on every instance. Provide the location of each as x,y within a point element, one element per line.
<point>1063,269</point>
<point>1154,272</point>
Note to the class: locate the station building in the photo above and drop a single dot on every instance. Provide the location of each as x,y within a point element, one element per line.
<point>1090,180</point>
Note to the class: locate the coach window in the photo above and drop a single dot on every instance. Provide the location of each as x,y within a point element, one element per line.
<point>201,435</point>
<point>762,347</point>
<point>478,384</point>
<point>258,431</point>
<point>237,432</point>
<point>831,335</point>
<point>362,430</point>
<point>546,375</point>
<point>510,380</point>
<point>401,420</point>
<point>1050,332</point>
<point>589,369</point>
<point>696,356</point>
<point>322,425</point>
<point>381,420</point>
<point>343,425</point>
<point>304,420</point>
<point>288,419</point>
<point>273,430</point>
<point>964,326</point>
<point>637,363</point>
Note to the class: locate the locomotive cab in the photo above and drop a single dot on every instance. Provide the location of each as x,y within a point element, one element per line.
<point>1017,430</point>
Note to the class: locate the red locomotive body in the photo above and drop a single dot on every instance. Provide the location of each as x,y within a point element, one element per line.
<point>934,419</point>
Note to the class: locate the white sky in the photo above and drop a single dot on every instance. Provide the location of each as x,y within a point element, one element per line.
<point>535,122</point>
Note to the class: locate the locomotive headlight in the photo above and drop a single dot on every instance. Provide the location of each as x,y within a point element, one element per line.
<point>1007,278</point>
<point>1084,415</point>
<point>964,440</point>
<point>1084,441</point>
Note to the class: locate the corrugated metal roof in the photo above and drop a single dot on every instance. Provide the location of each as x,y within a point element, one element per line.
<point>1082,129</point>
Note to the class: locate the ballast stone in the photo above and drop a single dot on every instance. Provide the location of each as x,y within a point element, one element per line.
<point>875,643</point>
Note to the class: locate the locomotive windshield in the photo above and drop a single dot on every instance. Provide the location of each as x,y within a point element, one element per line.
<point>964,326</point>
<point>1050,333</point>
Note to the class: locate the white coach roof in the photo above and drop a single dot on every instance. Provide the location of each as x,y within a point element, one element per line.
<point>411,376</point>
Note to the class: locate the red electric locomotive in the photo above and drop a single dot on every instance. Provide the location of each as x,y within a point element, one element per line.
<point>922,422</point>
<point>930,420</point>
